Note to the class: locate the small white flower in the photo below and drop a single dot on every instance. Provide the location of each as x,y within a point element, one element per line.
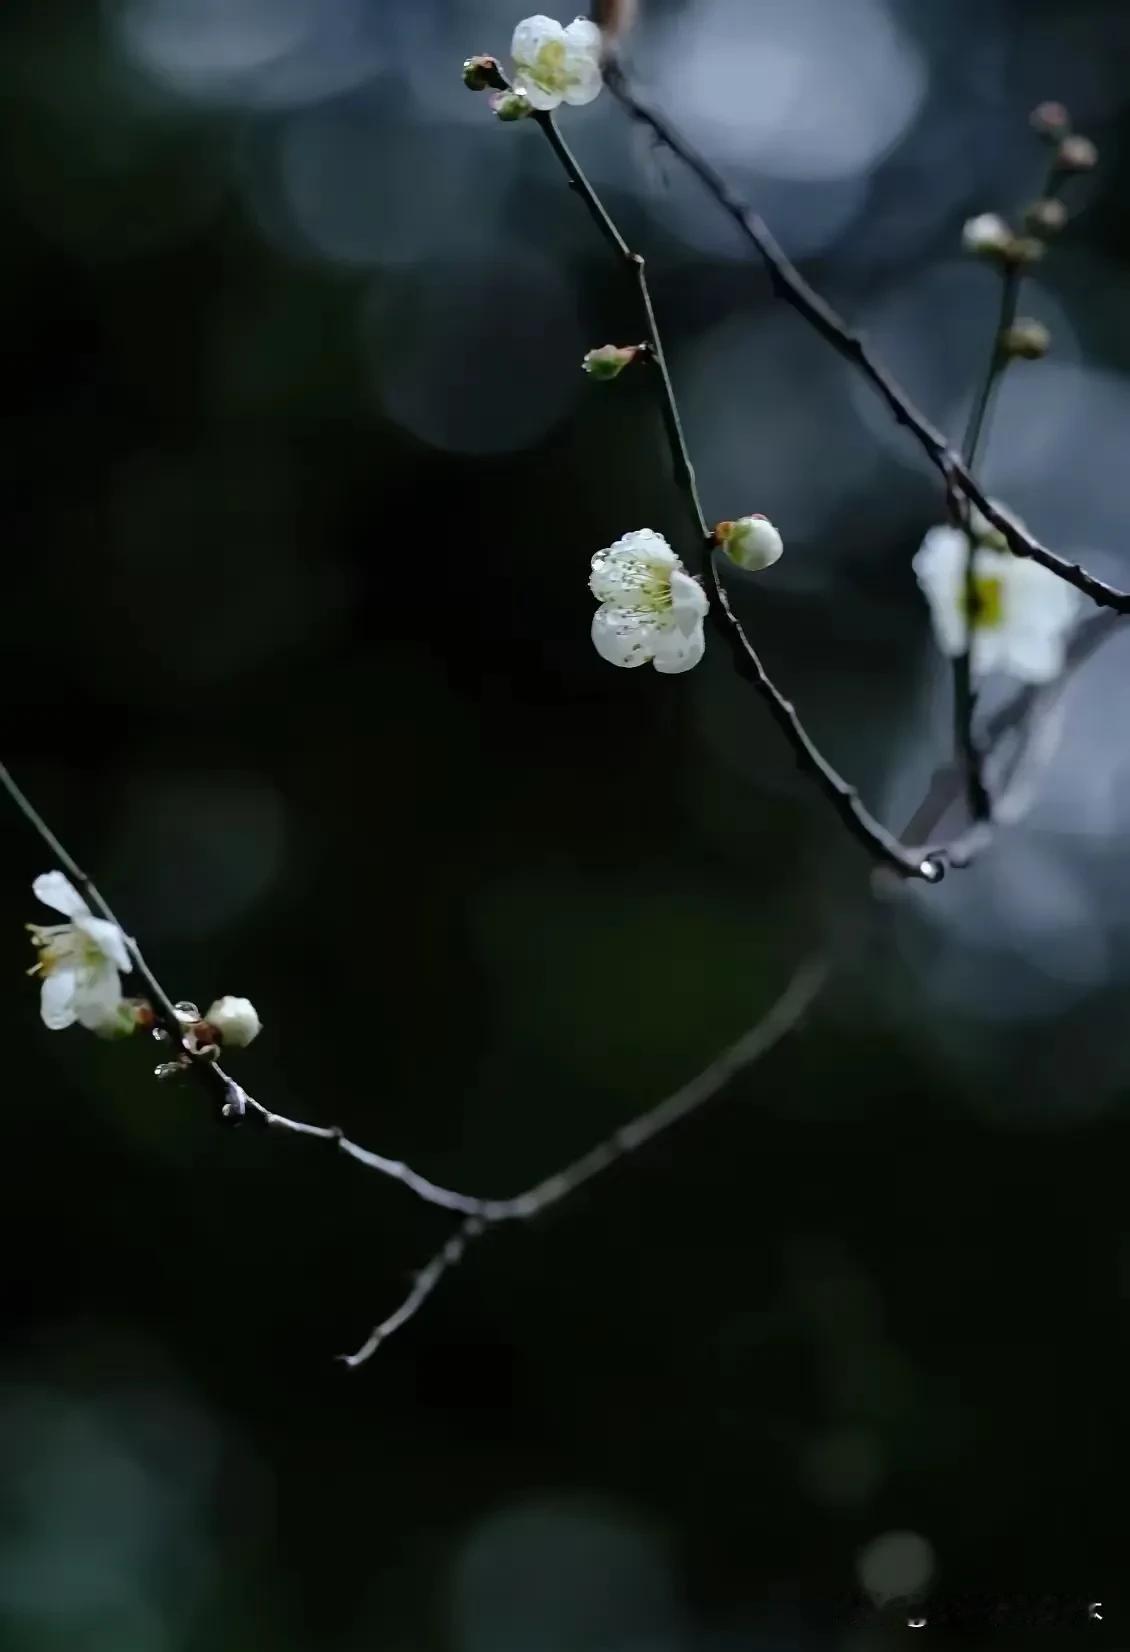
<point>752,541</point>
<point>555,65</point>
<point>650,607</point>
<point>1022,613</point>
<point>987,235</point>
<point>235,1020</point>
<point>80,963</point>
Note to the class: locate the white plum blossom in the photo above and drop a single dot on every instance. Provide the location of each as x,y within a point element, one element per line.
<point>650,607</point>
<point>1022,613</point>
<point>80,962</point>
<point>555,65</point>
<point>235,1021</point>
<point>751,541</point>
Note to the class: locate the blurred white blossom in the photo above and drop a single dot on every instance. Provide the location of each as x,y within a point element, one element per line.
<point>1021,613</point>
<point>235,1020</point>
<point>986,235</point>
<point>751,541</point>
<point>555,65</point>
<point>650,607</point>
<point>80,963</point>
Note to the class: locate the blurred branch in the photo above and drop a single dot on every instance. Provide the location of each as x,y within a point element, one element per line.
<point>1031,714</point>
<point>790,285</point>
<point>964,695</point>
<point>782,1018</point>
<point>844,798</point>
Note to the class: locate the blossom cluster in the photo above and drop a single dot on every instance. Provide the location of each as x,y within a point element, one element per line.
<point>80,967</point>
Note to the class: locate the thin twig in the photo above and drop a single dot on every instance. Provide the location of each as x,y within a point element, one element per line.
<point>844,798</point>
<point>790,285</point>
<point>781,1019</point>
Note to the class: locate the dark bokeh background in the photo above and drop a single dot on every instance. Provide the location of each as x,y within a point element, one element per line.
<point>302,484</point>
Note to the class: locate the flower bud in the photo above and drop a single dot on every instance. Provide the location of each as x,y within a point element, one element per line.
<point>511,105</point>
<point>1026,338</point>
<point>234,1022</point>
<point>987,236</point>
<point>1076,154</point>
<point>610,360</point>
<point>1046,217</point>
<point>1024,249</point>
<point>752,542</point>
<point>1050,120</point>
<point>479,72</point>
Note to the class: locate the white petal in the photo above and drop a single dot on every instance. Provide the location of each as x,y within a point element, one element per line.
<point>56,891</point>
<point>635,560</point>
<point>688,602</point>
<point>97,995</point>
<point>989,650</point>
<point>676,652</point>
<point>1041,597</point>
<point>530,37</point>
<point>586,80</point>
<point>646,542</point>
<point>536,96</point>
<point>109,940</point>
<point>56,999</point>
<point>1033,658</point>
<point>623,637</point>
<point>583,35</point>
<point>940,568</point>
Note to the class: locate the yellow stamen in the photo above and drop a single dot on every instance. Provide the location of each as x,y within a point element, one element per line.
<point>984,606</point>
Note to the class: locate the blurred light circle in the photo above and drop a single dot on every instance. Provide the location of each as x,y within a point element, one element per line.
<point>934,333</point>
<point>360,189</point>
<point>560,1576</point>
<point>266,53</point>
<point>895,1564</point>
<point>806,89</point>
<point>770,427</point>
<point>807,215</point>
<point>101,1516</point>
<point>479,356</point>
<point>1016,935</point>
<point>1060,458</point>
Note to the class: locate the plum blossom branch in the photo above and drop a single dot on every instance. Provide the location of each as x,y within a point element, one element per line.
<point>791,286</point>
<point>844,798</point>
<point>479,1214</point>
<point>781,1019</point>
